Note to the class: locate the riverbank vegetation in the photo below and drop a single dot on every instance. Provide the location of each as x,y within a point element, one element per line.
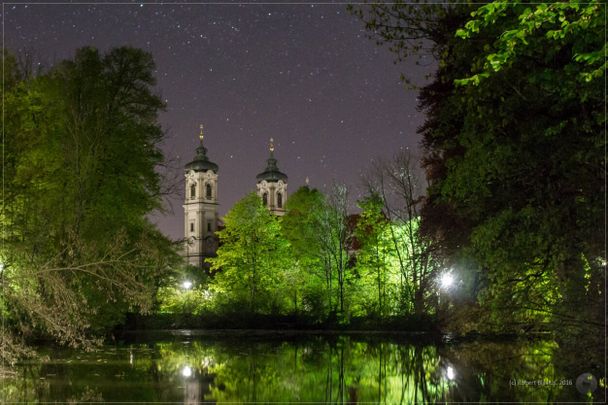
<point>80,154</point>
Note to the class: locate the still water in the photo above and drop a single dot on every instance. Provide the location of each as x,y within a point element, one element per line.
<point>190,368</point>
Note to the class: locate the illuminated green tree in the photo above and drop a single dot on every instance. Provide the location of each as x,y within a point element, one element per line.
<point>531,176</point>
<point>316,226</point>
<point>301,226</point>
<point>80,157</point>
<point>249,270</point>
<point>334,234</point>
<point>398,189</point>
<point>376,261</point>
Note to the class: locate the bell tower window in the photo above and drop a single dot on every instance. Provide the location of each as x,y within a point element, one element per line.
<point>265,199</point>
<point>280,200</point>
<point>208,191</point>
<point>191,226</point>
<point>193,191</point>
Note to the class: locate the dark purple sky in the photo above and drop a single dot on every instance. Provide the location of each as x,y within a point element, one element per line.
<point>306,75</point>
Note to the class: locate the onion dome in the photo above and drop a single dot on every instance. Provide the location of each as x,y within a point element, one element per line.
<point>271,174</point>
<point>201,162</point>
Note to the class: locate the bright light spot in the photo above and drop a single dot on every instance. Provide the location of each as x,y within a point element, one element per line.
<point>186,285</point>
<point>447,280</point>
<point>186,371</point>
<point>1,267</point>
<point>450,373</point>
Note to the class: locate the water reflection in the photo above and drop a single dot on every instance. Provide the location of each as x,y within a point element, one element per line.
<point>314,369</point>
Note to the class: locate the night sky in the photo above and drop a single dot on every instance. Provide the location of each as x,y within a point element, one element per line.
<point>306,75</point>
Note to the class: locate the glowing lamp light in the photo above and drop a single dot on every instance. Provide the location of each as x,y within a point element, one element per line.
<point>450,373</point>
<point>447,280</point>
<point>186,285</point>
<point>186,372</point>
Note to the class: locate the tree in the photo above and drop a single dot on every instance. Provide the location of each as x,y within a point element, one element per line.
<point>251,259</point>
<point>80,151</point>
<point>300,226</point>
<point>514,150</point>
<point>334,235</point>
<point>375,255</point>
<point>317,227</point>
<point>531,173</point>
<point>398,188</point>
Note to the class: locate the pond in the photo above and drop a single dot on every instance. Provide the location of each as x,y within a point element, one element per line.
<point>187,367</point>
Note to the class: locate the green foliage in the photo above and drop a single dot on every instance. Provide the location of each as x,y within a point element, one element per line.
<point>376,262</point>
<point>80,156</point>
<point>249,263</point>
<point>309,274</point>
<point>316,227</point>
<point>533,167</point>
<point>186,292</point>
<point>514,151</point>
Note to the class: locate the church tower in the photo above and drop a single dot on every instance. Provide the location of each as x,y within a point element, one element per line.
<point>200,207</point>
<point>272,185</point>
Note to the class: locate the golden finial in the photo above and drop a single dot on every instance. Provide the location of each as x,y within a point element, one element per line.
<point>201,135</point>
<point>271,145</point>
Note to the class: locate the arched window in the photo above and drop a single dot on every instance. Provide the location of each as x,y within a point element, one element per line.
<point>193,191</point>
<point>265,199</point>
<point>279,200</point>
<point>208,191</point>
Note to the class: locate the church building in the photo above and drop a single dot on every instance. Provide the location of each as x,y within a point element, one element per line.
<point>200,207</point>
<point>201,201</point>
<point>272,185</point>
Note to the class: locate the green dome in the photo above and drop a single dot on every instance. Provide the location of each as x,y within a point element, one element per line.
<point>201,163</point>
<point>272,174</point>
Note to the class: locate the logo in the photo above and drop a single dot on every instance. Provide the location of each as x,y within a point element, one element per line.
<point>586,383</point>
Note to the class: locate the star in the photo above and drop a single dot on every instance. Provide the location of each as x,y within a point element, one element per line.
<point>305,74</point>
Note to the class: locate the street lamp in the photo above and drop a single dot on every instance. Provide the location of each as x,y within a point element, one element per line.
<point>186,285</point>
<point>450,373</point>
<point>186,372</point>
<point>446,281</point>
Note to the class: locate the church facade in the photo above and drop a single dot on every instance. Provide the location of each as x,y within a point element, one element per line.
<point>201,218</point>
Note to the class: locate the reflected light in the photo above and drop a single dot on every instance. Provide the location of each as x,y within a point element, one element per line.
<point>186,285</point>
<point>186,371</point>
<point>447,280</point>
<point>450,373</point>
